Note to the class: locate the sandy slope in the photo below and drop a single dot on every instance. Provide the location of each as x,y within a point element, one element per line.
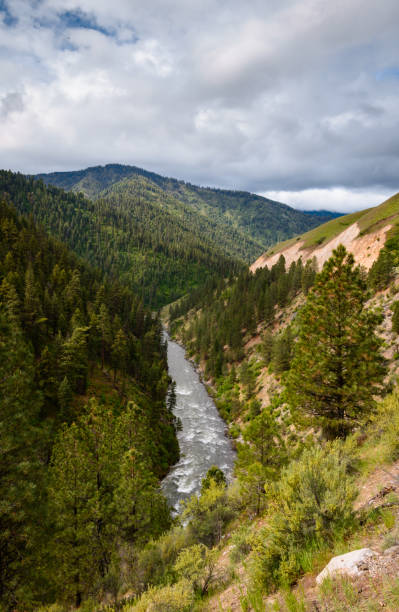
<point>365,248</point>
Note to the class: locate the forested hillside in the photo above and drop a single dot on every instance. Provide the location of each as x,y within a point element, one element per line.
<point>302,361</point>
<point>251,221</point>
<point>86,430</point>
<point>160,252</point>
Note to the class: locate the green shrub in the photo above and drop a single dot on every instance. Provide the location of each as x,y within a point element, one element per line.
<point>154,563</point>
<point>312,505</point>
<point>176,598</point>
<point>208,514</point>
<point>387,420</point>
<point>196,564</point>
<point>241,541</point>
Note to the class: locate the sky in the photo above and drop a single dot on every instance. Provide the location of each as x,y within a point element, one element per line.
<point>294,99</point>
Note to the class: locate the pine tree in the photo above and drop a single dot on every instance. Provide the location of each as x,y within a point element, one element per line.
<point>120,353</point>
<point>72,504</point>
<point>65,397</point>
<point>19,462</point>
<point>395,317</point>
<point>74,360</point>
<point>337,368</point>
<point>141,510</point>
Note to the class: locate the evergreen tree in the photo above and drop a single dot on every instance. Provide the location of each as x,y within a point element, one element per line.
<point>260,458</point>
<point>19,461</point>
<point>337,368</point>
<point>266,348</point>
<point>73,505</point>
<point>282,351</point>
<point>141,511</point>
<point>216,474</point>
<point>74,360</point>
<point>395,317</point>
<point>65,396</point>
<point>119,353</point>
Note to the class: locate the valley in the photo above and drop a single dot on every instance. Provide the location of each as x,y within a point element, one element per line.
<point>147,503</point>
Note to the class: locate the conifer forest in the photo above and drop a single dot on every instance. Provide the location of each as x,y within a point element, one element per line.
<point>199,306</point>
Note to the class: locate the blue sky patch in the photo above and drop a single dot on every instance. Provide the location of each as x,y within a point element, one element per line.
<point>6,14</point>
<point>79,19</point>
<point>388,73</point>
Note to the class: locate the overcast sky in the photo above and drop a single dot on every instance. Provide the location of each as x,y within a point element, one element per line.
<point>296,99</point>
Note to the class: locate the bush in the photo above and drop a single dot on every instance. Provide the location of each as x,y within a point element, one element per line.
<point>241,540</point>
<point>153,565</point>
<point>208,514</point>
<point>197,565</point>
<point>176,598</point>
<point>312,505</point>
<point>387,419</point>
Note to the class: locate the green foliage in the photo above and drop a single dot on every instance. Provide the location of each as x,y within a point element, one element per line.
<point>395,317</point>
<point>197,565</point>
<point>337,368</point>
<point>216,475</point>
<point>20,470</point>
<point>382,271</point>
<point>227,313</point>
<point>153,564</point>
<point>178,597</point>
<point>312,502</point>
<point>243,220</point>
<point>260,459</point>
<point>136,232</point>
<point>282,351</point>
<point>208,514</point>
<point>102,495</point>
<point>387,422</point>
<point>62,330</point>
<point>242,544</point>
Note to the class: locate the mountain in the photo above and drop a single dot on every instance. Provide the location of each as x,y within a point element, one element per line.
<point>255,221</point>
<point>161,248</point>
<point>364,233</point>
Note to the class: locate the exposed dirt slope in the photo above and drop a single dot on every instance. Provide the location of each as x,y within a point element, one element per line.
<point>365,248</point>
<point>363,233</point>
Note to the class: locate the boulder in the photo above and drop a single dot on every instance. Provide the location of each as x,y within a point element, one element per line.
<point>352,564</point>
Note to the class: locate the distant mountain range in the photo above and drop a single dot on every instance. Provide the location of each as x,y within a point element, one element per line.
<point>257,222</point>
<point>161,236</point>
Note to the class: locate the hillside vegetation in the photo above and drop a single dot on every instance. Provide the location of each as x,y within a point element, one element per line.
<point>293,361</point>
<point>86,422</point>
<point>161,252</point>
<point>247,222</point>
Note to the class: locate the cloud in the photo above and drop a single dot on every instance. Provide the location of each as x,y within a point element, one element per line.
<point>11,102</point>
<point>337,199</point>
<point>291,97</point>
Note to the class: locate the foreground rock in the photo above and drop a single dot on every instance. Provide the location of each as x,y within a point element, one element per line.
<point>351,564</point>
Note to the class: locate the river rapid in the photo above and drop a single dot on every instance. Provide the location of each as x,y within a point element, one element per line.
<point>203,441</point>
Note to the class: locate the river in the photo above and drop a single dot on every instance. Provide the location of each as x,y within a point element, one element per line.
<point>203,441</point>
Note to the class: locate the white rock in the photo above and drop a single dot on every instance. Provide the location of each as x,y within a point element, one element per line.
<point>351,564</point>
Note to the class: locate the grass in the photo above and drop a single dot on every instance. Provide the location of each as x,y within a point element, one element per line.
<point>344,594</point>
<point>378,215</point>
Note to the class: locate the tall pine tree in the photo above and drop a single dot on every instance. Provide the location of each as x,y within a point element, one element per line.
<point>337,368</point>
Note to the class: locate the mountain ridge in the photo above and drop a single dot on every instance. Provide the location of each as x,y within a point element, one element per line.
<point>261,220</point>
